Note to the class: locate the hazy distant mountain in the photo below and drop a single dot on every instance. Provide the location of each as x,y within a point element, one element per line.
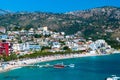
<point>2,12</point>
<point>95,22</point>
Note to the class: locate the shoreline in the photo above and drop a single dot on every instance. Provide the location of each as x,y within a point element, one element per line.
<point>22,63</point>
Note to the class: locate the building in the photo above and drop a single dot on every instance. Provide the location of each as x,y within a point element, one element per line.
<point>34,47</point>
<point>56,45</point>
<point>4,48</point>
<point>45,28</point>
<point>3,37</point>
<point>20,47</point>
<point>2,29</point>
<point>31,31</point>
<point>100,46</point>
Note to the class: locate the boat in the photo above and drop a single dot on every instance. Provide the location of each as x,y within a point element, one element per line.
<point>59,65</point>
<point>40,66</point>
<point>113,77</point>
<point>71,65</point>
<point>47,65</point>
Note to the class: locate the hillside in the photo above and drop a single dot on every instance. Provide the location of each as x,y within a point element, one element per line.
<point>2,12</point>
<point>100,20</point>
<point>97,22</point>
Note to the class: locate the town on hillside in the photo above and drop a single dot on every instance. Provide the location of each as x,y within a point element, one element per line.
<point>41,39</point>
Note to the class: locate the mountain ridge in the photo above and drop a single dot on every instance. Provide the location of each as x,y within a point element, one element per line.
<point>89,22</point>
<point>2,12</point>
<point>98,11</point>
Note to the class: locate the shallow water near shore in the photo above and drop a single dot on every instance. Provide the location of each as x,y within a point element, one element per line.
<point>86,68</point>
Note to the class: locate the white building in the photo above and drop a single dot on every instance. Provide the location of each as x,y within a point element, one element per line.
<point>23,47</point>
<point>20,47</point>
<point>31,31</point>
<point>56,45</point>
<point>45,28</point>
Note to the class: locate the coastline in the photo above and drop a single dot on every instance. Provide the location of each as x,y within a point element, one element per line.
<point>21,63</point>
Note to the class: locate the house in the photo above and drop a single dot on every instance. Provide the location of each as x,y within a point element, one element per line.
<point>45,32</point>
<point>74,48</point>
<point>11,37</point>
<point>56,46</point>
<point>34,47</point>
<point>31,31</point>
<point>13,33</point>
<point>62,33</point>
<point>38,32</point>
<point>43,42</point>
<point>24,38</point>
<point>23,32</point>
<point>2,29</point>
<point>45,28</point>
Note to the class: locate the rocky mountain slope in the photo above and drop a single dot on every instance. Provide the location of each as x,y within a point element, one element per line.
<point>97,22</point>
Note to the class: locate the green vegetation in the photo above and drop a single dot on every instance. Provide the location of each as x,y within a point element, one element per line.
<point>13,56</point>
<point>34,55</point>
<point>66,48</point>
<point>45,48</point>
<point>40,54</point>
<point>37,35</point>
<point>115,44</point>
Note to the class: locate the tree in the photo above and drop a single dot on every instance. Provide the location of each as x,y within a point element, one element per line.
<point>66,48</point>
<point>37,35</point>
<point>13,56</point>
<point>45,47</point>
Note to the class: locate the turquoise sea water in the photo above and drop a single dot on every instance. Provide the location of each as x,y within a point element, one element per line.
<point>86,68</point>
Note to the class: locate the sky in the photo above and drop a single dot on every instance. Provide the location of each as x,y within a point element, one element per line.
<point>55,6</point>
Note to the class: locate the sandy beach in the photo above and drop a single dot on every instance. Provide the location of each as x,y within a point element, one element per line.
<point>25,62</point>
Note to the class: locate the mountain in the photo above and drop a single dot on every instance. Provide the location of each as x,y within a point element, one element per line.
<point>97,22</point>
<point>100,20</point>
<point>2,12</point>
<point>106,11</point>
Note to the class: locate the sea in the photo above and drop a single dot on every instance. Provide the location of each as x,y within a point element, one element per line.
<point>86,68</point>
